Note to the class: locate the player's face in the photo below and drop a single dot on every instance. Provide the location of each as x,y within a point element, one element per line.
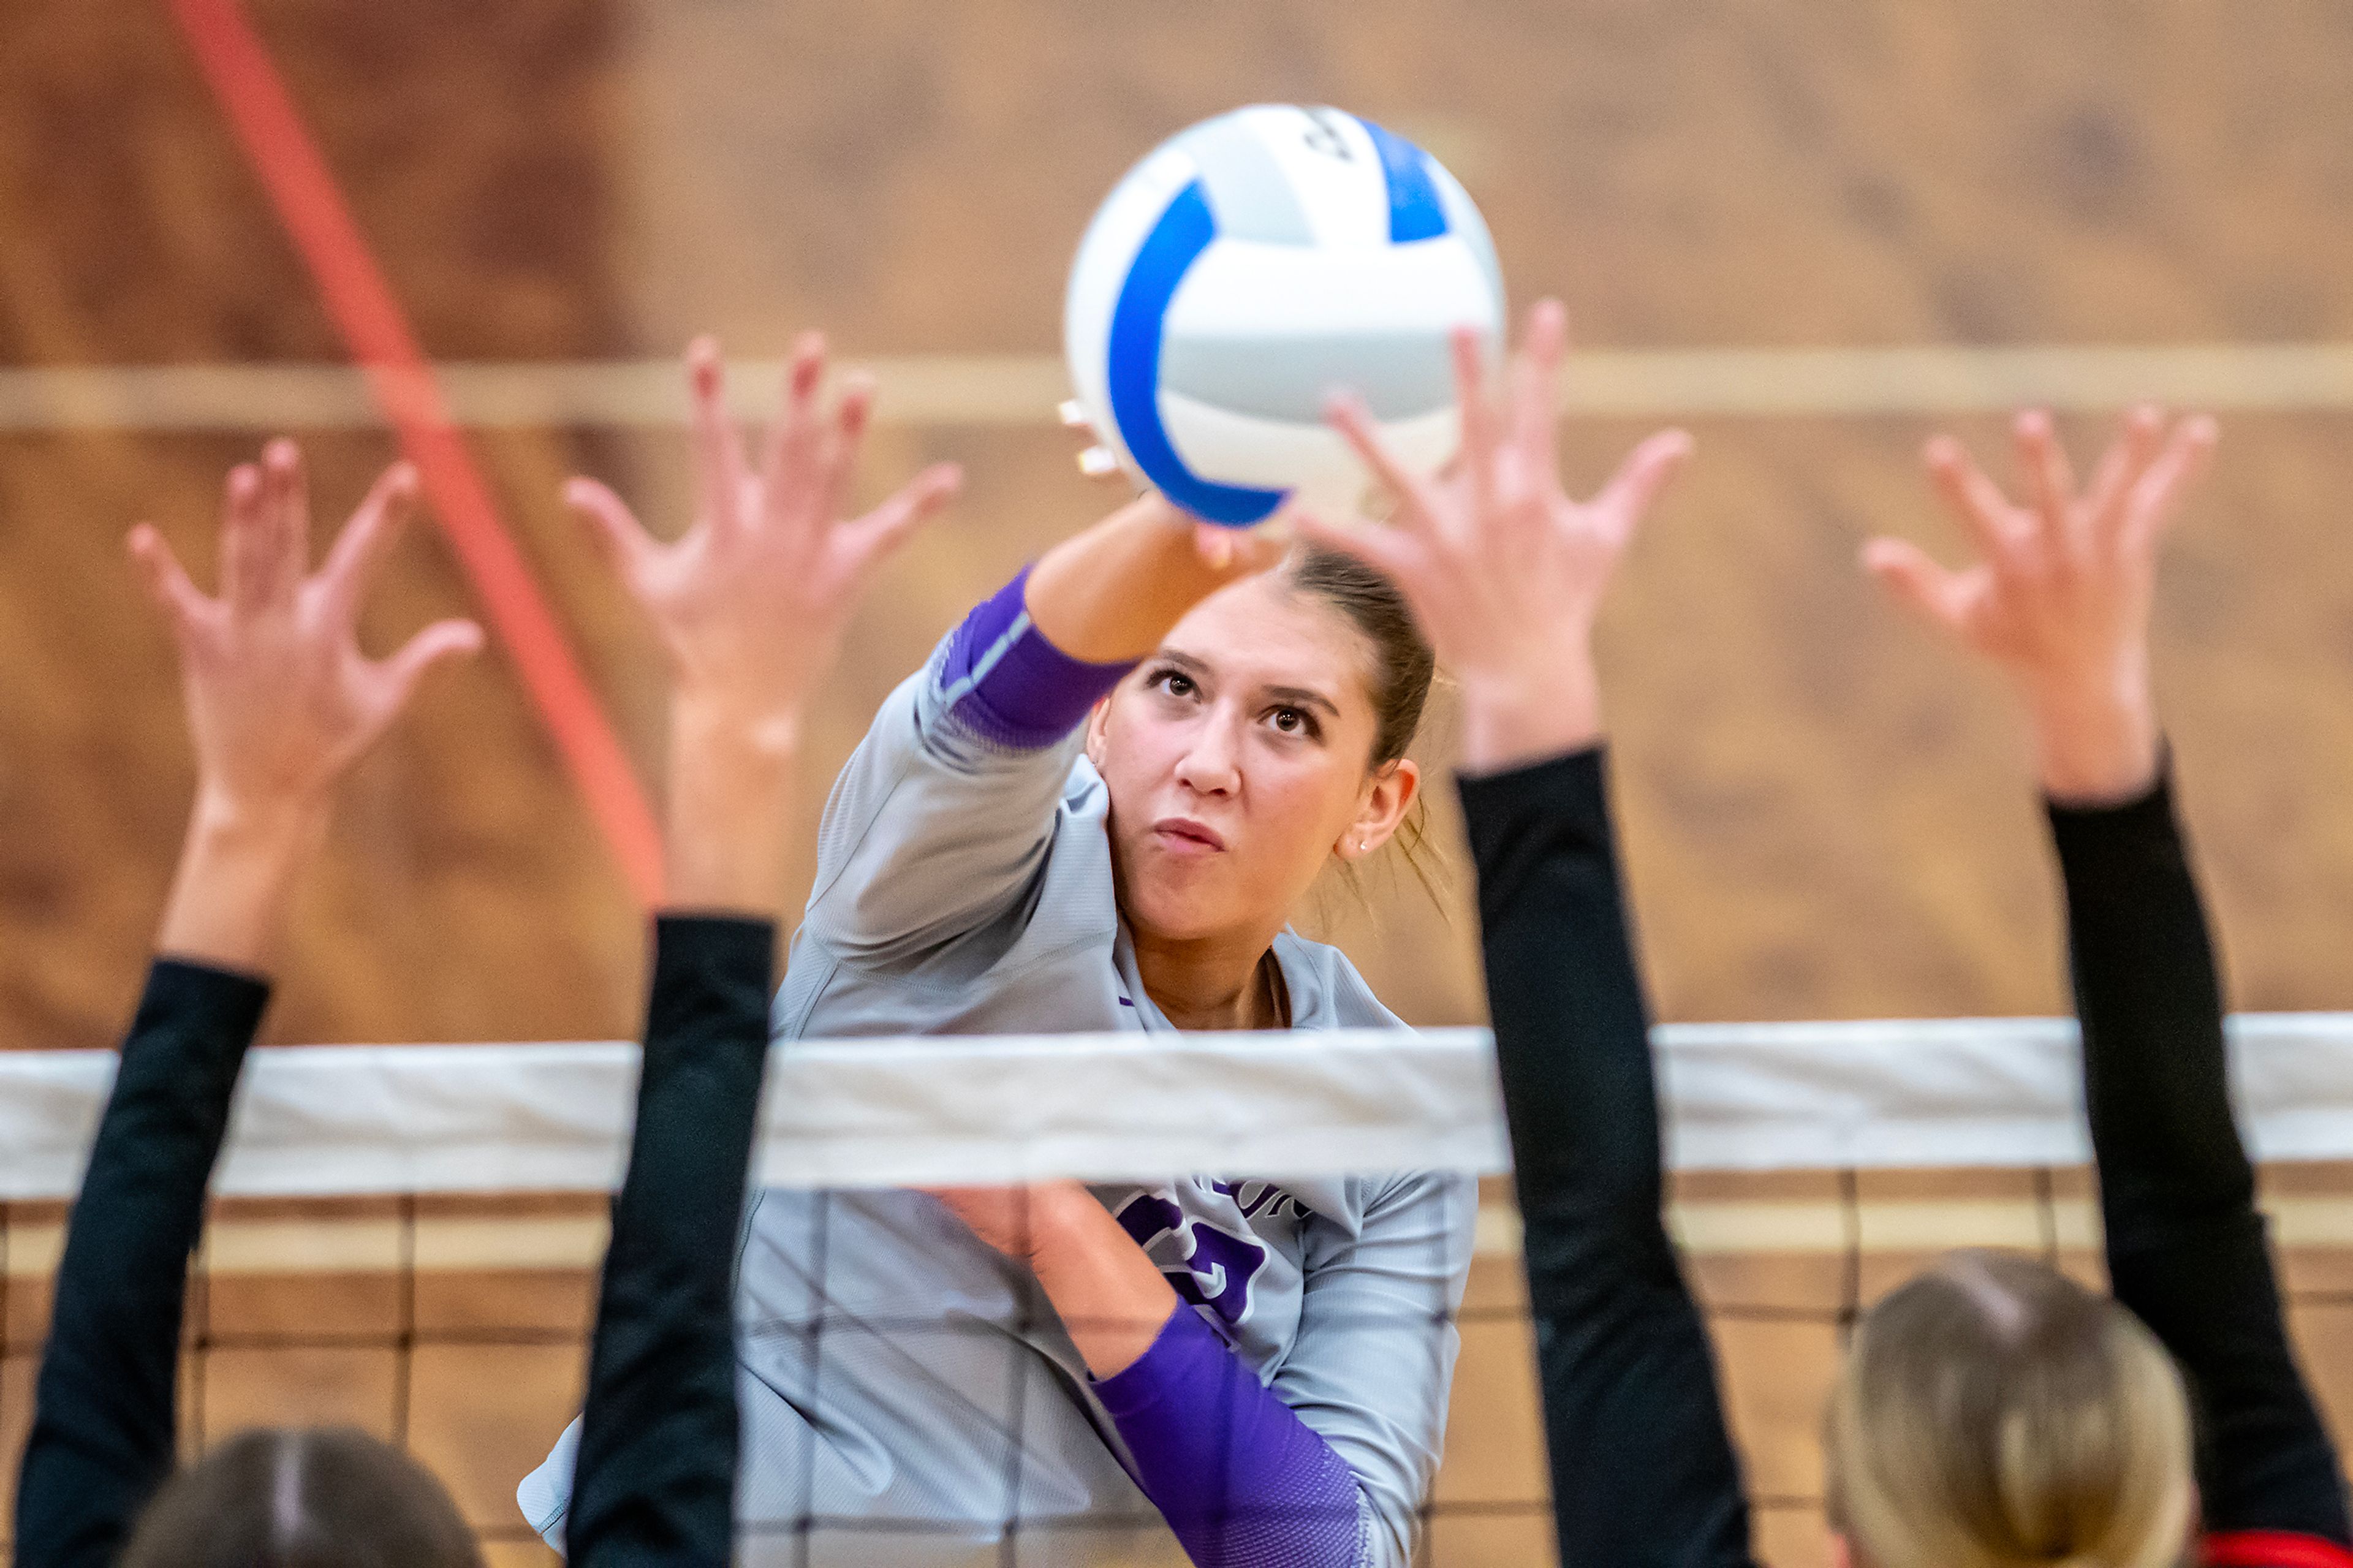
<point>1237,761</point>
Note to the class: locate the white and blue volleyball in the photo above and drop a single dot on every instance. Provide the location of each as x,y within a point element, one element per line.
<point>1246,269</point>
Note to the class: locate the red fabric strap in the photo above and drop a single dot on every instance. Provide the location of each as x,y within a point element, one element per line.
<point>2273,1549</point>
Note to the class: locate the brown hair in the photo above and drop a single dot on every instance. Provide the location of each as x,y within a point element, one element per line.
<point>324,1497</point>
<point>1403,667</point>
<point>1994,1413</point>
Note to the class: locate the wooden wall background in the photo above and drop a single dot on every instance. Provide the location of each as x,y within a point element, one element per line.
<point>1825,814</point>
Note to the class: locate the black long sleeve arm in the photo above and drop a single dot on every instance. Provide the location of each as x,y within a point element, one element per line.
<point>104,1416</point>
<point>2187,1250</point>
<point>1643,1468</point>
<point>656,1478</point>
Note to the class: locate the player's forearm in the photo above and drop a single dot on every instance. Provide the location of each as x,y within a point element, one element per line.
<point>1111,1297</point>
<point>2149,994</point>
<point>2096,735</point>
<point>103,1418</point>
<point>731,779</point>
<point>1240,1477</point>
<point>1549,707</point>
<point>658,1438</point>
<point>237,867</point>
<point>1113,592</point>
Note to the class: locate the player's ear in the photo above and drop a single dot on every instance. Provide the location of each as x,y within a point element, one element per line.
<point>1387,798</point>
<point>1098,718</point>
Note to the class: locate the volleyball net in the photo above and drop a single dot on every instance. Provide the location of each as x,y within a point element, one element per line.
<point>406,1239</point>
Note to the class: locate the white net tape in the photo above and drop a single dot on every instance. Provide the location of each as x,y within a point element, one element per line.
<point>337,1121</point>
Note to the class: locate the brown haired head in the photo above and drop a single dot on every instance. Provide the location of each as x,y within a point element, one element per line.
<point>1403,663</point>
<point>327,1498</point>
<point>1994,1413</point>
<point>1403,668</point>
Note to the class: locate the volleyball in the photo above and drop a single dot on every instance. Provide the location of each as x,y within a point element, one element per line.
<point>1248,269</point>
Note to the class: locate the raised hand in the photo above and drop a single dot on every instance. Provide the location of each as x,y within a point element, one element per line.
<point>751,604</point>
<point>2060,598</point>
<point>280,701</point>
<point>752,600</point>
<point>1503,571</point>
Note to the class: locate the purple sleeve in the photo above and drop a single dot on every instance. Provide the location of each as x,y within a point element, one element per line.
<point>1241,1478</point>
<point>1009,685</point>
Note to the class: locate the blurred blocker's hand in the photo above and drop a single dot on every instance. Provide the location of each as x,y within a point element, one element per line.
<point>1503,571</point>
<point>2059,599</point>
<point>751,602</point>
<point>280,701</point>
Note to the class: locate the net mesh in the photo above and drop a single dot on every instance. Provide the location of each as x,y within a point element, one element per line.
<point>454,1321</point>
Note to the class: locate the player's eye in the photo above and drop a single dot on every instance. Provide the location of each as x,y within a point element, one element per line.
<point>1294,721</point>
<point>1174,682</point>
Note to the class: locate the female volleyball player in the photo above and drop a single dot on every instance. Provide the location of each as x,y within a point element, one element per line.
<point>1095,809</point>
<point>1990,1413</point>
<point>280,704</point>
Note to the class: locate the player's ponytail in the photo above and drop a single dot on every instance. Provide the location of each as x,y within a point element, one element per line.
<point>1993,1414</point>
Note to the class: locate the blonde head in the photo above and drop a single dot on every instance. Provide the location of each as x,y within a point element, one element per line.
<point>1993,1414</point>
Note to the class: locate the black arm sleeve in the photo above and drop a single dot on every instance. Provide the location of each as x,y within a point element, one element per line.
<point>103,1418</point>
<point>656,1477</point>
<point>2185,1249</point>
<point>1643,1468</point>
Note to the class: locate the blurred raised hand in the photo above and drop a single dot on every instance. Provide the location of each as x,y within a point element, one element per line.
<point>280,701</point>
<point>2059,596</point>
<point>751,602</point>
<point>1505,571</point>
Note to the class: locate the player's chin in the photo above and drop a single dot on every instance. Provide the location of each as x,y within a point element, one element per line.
<point>1180,899</point>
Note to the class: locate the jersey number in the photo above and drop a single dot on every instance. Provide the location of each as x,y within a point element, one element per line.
<point>1217,1269</point>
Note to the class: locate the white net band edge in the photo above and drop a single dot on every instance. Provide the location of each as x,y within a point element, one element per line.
<point>372,1120</point>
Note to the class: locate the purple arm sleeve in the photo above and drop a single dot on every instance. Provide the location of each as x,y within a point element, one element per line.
<point>1011,686</point>
<point>1241,1478</point>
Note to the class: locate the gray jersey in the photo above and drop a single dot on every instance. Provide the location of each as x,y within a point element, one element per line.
<point>907,1385</point>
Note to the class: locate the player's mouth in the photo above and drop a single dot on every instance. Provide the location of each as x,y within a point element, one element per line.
<point>1184,836</point>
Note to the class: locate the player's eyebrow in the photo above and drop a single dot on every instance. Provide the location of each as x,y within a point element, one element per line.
<point>1293,696</point>
<point>1303,696</point>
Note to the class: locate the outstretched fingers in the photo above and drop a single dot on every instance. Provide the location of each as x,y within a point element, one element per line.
<point>1648,469</point>
<point>1481,425</point>
<point>256,571</point>
<point>2156,498</point>
<point>2048,479</point>
<point>442,641</point>
<point>1977,502</point>
<point>881,531</point>
<point>367,538</point>
<point>2121,467</point>
<point>166,580</point>
<point>846,434</point>
<point>1417,507</point>
<point>1937,595</point>
<point>626,545</point>
<point>719,468</point>
<point>793,474</point>
<point>286,492</point>
<point>1535,393</point>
